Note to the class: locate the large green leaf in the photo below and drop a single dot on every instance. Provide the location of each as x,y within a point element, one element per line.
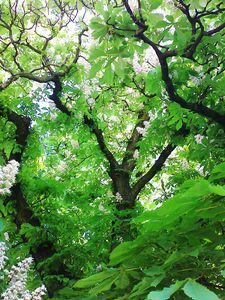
<point>197,291</point>
<point>121,253</point>
<point>103,286</point>
<point>166,293</point>
<point>92,280</point>
<point>1,225</point>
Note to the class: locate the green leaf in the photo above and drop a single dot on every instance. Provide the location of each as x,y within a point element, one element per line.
<point>108,75</point>
<point>155,4</point>
<point>8,147</point>
<point>92,280</point>
<point>1,225</point>
<point>96,53</point>
<point>218,172</point>
<point>121,253</point>
<point>122,281</point>
<point>119,67</point>
<point>162,24</point>
<point>166,293</point>
<point>175,256</point>
<point>103,286</point>
<point>170,18</point>
<point>218,190</point>
<point>101,32</point>
<point>155,270</point>
<point>201,188</point>
<point>155,18</point>
<point>95,68</point>
<point>179,124</point>
<point>197,291</point>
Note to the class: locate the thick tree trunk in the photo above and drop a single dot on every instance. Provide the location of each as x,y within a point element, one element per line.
<point>23,213</point>
<point>125,203</point>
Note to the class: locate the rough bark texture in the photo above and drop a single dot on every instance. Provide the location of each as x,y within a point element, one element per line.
<point>23,213</point>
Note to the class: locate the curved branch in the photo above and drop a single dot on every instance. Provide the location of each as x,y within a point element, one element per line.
<point>173,96</point>
<point>139,185</point>
<point>159,163</point>
<point>101,142</point>
<point>129,162</point>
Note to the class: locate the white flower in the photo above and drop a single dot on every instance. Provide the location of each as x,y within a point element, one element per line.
<point>62,166</point>
<point>143,130</point>
<point>53,116</point>
<point>136,154</point>
<point>17,280</point>
<point>6,236</point>
<point>119,136</point>
<point>67,153</point>
<point>8,176</point>
<point>149,61</point>
<point>38,293</point>
<point>91,102</point>
<point>198,138</point>
<point>113,119</point>
<point>74,143</point>
<point>146,124</point>
<point>119,198</point>
<point>3,258</point>
<point>101,207</point>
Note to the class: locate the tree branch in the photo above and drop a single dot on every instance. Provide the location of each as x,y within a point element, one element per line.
<point>101,142</point>
<point>55,97</point>
<point>173,96</point>
<point>194,107</point>
<point>129,162</point>
<point>139,185</point>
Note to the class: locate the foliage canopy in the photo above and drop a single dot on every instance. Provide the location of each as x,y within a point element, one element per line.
<point>115,112</point>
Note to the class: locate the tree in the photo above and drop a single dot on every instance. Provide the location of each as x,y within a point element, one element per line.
<point>110,108</point>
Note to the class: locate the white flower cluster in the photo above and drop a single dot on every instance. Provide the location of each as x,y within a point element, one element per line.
<point>3,257</point>
<point>87,89</point>
<point>17,278</point>
<point>8,176</point>
<point>149,61</point>
<point>136,154</point>
<point>36,294</point>
<point>133,4</point>
<point>91,102</point>
<point>62,166</point>
<point>74,144</point>
<point>119,198</point>
<point>198,138</point>
<point>143,130</point>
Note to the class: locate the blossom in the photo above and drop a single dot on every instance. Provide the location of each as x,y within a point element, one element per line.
<point>17,279</point>
<point>88,87</point>
<point>149,61</point>
<point>114,119</point>
<point>198,138</point>
<point>143,130</point>
<point>38,293</point>
<point>101,207</point>
<point>91,102</point>
<point>6,236</point>
<point>136,154</point>
<point>67,153</point>
<point>3,258</point>
<point>119,198</point>
<point>74,143</point>
<point>8,176</point>
<point>62,166</point>
<point>53,117</point>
